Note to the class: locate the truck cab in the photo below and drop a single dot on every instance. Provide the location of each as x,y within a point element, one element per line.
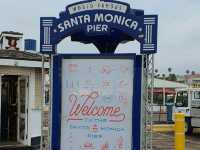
<point>183,102</point>
<point>187,101</point>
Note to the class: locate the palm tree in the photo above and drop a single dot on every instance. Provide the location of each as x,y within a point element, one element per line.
<point>156,71</point>
<point>193,72</point>
<point>169,70</point>
<point>163,76</point>
<point>187,71</point>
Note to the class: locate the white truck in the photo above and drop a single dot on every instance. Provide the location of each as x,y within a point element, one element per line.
<point>187,101</point>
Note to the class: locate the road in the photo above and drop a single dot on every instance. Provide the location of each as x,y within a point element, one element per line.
<point>165,141</point>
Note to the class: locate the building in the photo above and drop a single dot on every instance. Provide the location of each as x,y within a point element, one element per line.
<point>193,80</point>
<point>164,91</point>
<point>21,94</point>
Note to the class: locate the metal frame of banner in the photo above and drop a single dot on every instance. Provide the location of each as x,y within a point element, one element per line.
<point>42,101</point>
<point>43,145</point>
<point>49,38</point>
<point>146,105</point>
<point>56,97</point>
<point>147,101</point>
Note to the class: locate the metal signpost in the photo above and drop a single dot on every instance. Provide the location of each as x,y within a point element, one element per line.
<point>101,100</point>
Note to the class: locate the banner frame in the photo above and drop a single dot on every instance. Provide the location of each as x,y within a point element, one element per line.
<point>57,95</point>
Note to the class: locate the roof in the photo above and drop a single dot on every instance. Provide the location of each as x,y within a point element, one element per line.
<point>167,90</point>
<point>11,32</point>
<point>159,83</point>
<point>20,55</point>
<point>189,89</point>
<point>192,76</point>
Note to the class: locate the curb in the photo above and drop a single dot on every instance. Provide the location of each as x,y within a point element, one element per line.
<point>163,128</point>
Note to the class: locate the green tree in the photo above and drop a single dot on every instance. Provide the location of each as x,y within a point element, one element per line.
<point>169,70</point>
<point>156,70</point>
<point>163,76</point>
<point>156,73</point>
<point>172,77</point>
<point>169,75</point>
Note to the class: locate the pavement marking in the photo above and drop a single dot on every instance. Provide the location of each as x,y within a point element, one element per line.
<point>163,128</point>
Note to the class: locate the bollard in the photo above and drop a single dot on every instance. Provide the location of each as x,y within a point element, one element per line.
<point>179,131</point>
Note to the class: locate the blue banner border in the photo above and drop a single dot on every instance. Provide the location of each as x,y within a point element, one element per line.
<point>56,97</point>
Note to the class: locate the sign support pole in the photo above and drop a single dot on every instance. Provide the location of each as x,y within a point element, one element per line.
<point>151,102</point>
<point>42,101</point>
<point>45,111</point>
<point>50,98</point>
<point>147,102</point>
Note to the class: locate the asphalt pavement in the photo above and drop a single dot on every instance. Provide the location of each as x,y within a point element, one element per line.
<point>165,141</point>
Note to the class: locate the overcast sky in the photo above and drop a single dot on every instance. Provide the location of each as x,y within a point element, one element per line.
<point>178,35</point>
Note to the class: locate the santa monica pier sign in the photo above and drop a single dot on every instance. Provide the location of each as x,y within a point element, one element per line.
<point>96,98</point>
<point>103,23</point>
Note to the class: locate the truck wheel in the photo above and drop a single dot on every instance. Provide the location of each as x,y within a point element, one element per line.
<point>188,127</point>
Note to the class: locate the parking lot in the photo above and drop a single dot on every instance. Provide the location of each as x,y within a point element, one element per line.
<point>165,141</point>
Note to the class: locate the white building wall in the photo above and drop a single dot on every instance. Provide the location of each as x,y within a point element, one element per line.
<point>35,123</point>
<point>0,103</point>
<point>22,63</point>
<point>34,119</point>
<point>35,112</point>
<point>5,43</point>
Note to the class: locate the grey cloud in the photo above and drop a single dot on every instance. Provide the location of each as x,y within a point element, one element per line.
<point>178,37</point>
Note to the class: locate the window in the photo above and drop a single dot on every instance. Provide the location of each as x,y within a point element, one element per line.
<point>197,95</point>
<point>46,96</point>
<point>158,98</point>
<point>169,98</point>
<point>182,99</point>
